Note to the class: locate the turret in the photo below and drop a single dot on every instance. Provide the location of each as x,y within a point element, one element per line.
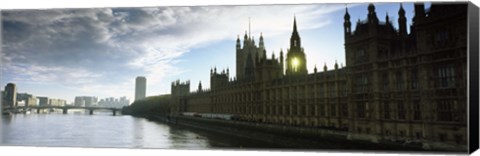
<point>346,24</point>
<point>387,18</point>
<point>245,40</point>
<point>419,12</point>
<point>325,67</point>
<point>296,61</point>
<point>295,43</point>
<point>336,65</point>
<point>402,21</point>
<point>200,86</point>
<point>260,43</point>
<point>315,69</point>
<point>238,43</point>
<point>372,15</point>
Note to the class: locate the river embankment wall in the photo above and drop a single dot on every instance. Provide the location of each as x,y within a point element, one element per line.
<point>284,136</point>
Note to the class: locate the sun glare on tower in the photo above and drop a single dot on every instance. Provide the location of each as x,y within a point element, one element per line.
<point>295,63</point>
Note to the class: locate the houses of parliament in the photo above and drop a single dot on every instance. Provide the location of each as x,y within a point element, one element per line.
<point>394,86</point>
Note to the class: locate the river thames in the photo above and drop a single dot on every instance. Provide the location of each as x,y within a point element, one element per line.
<point>104,130</point>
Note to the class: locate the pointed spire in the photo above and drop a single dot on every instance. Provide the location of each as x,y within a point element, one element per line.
<point>401,12</point>
<point>402,22</point>
<point>200,86</point>
<point>325,67</point>
<point>315,68</point>
<point>336,64</point>
<point>238,42</point>
<point>294,23</point>
<point>347,15</point>
<point>295,42</point>
<point>386,17</point>
<point>260,43</point>
<point>273,55</point>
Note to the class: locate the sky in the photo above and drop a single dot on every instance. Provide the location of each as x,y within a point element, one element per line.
<point>63,53</point>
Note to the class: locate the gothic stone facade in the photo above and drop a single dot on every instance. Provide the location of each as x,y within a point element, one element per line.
<point>395,86</point>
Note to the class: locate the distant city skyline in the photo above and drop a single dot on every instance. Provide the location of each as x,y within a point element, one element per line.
<point>64,53</point>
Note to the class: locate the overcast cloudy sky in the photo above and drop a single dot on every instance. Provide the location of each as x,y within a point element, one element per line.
<point>63,53</point>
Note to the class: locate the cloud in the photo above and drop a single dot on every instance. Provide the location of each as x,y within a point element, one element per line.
<point>105,47</point>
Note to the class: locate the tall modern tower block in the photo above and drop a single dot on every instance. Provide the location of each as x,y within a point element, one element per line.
<point>140,87</point>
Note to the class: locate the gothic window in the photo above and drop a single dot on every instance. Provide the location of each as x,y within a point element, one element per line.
<point>417,115</point>
<point>344,89</point>
<point>399,80</point>
<point>333,110</point>
<point>332,90</point>
<point>312,110</point>
<point>401,110</point>
<point>441,37</point>
<point>360,55</point>
<point>322,110</point>
<point>446,110</point>
<point>361,108</point>
<point>320,91</point>
<point>446,76</point>
<point>385,81</point>
<point>344,110</point>
<point>414,79</point>
<point>361,83</point>
<point>386,110</point>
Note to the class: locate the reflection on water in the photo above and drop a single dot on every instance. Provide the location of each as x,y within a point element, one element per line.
<point>105,130</point>
<point>100,130</point>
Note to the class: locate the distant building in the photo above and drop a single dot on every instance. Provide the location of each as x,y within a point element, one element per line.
<point>42,101</point>
<point>10,95</point>
<point>85,101</point>
<point>27,99</point>
<point>140,87</point>
<point>79,102</point>
<point>56,102</point>
<point>113,102</point>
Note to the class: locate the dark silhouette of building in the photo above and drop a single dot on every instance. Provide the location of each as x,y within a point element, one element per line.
<point>409,86</point>
<point>10,95</point>
<point>396,85</point>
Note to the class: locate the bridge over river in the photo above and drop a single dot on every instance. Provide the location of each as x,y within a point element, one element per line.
<point>63,108</point>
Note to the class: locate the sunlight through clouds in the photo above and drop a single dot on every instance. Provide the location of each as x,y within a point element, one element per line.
<point>104,48</point>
